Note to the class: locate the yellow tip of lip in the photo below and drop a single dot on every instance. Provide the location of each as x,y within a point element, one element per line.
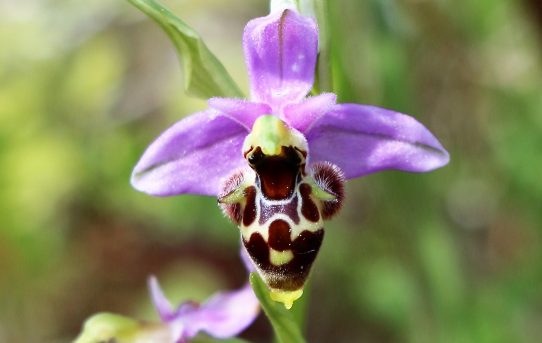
<point>286,297</point>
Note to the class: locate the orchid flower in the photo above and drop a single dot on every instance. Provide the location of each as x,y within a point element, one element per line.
<point>278,161</point>
<point>223,315</point>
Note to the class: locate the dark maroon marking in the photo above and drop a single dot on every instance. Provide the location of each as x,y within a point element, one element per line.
<point>279,235</point>
<point>256,157</point>
<point>307,242</point>
<point>249,213</point>
<point>233,211</point>
<point>302,152</point>
<point>292,275</point>
<point>258,250</point>
<point>289,209</point>
<point>330,179</point>
<point>309,209</point>
<point>276,174</point>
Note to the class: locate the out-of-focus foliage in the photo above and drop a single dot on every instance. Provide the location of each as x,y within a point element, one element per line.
<point>451,256</point>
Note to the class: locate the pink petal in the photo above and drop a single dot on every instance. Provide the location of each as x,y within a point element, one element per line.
<point>191,157</point>
<point>363,139</point>
<point>280,52</point>
<point>242,111</point>
<point>304,114</point>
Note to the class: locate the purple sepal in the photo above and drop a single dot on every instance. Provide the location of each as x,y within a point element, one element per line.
<point>224,315</point>
<point>280,52</point>
<point>161,303</point>
<point>363,139</point>
<point>191,157</point>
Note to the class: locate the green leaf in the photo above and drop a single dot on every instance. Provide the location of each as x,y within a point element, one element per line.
<point>281,319</point>
<point>205,76</point>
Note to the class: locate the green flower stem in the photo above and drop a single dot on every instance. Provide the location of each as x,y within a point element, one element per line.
<point>300,308</point>
<point>280,4</point>
<point>283,321</point>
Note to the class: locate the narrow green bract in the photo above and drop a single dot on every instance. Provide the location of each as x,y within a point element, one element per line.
<point>205,76</point>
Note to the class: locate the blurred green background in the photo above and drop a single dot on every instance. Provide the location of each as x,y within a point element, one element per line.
<point>450,256</point>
